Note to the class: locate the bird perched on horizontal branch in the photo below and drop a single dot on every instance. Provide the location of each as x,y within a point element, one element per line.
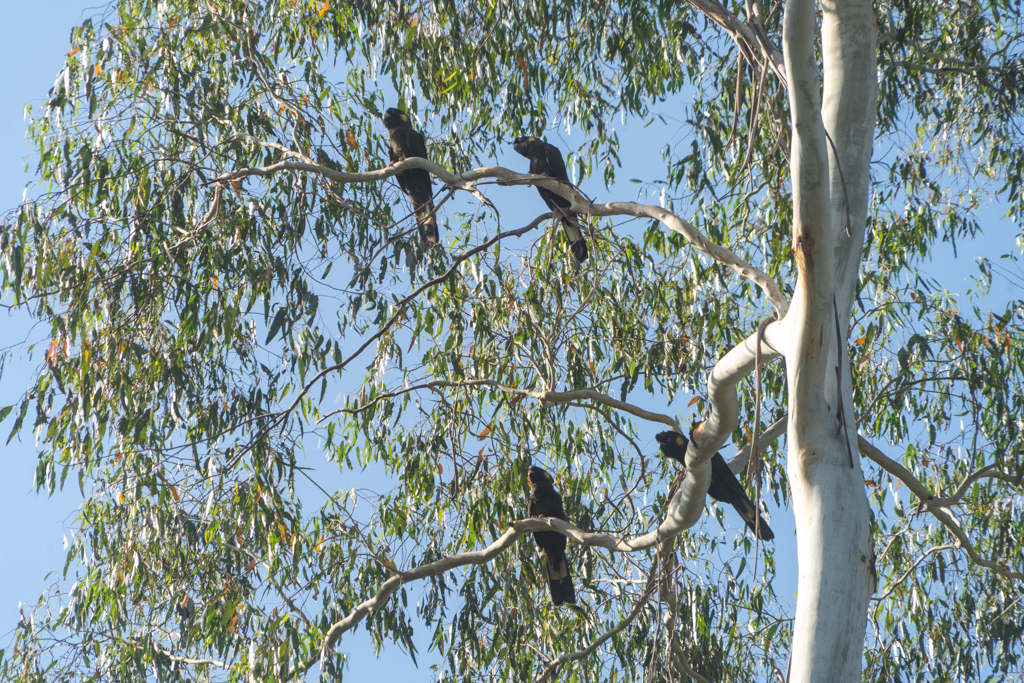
<point>545,502</point>
<point>546,160</point>
<point>725,487</point>
<point>416,183</point>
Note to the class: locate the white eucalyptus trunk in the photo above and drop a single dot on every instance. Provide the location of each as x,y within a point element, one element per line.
<point>830,505</point>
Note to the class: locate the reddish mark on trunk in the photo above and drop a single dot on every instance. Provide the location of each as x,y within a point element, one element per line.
<point>803,250</point>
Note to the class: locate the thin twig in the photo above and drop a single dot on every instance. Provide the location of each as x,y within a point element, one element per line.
<point>737,99</point>
<point>755,108</point>
<point>753,468</point>
<point>553,664</point>
<point>893,586</point>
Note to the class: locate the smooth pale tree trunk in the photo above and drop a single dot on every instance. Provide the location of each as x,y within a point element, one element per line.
<point>830,505</point>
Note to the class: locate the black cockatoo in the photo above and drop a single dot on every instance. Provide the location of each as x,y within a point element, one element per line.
<point>545,502</point>
<point>416,183</point>
<point>725,487</point>
<point>546,160</point>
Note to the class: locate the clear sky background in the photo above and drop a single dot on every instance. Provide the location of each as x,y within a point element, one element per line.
<point>32,553</point>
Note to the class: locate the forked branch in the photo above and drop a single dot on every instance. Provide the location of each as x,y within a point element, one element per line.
<point>934,506</point>
<point>503,543</point>
<point>553,664</point>
<point>749,39</point>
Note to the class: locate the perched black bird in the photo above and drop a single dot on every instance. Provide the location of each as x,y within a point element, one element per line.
<point>725,487</point>
<point>545,502</point>
<point>546,160</point>
<point>416,183</point>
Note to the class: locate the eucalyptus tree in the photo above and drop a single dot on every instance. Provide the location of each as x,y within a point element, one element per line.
<point>244,329</point>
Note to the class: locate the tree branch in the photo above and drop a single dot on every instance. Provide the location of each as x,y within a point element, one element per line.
<point>987,472</point>
<point>580,204</point>
<point>746,37</point>
<point>918,489</point>
<point>894,585</point>
<point>719,253</point>
<point>547,398</point>
<point>553,664</point>
<point>766,439</point>
<point>190,660</point>
<point>736,364</point>
<point>550,398</point>
<point>518,528</point>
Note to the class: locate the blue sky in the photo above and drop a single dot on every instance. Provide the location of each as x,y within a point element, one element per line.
<point>32,540</point>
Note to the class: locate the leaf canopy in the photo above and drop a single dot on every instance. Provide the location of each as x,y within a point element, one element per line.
<point>233,361</point>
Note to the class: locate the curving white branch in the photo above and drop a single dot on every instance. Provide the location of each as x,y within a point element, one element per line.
<point>708,436</point>
<point>727,373</point>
